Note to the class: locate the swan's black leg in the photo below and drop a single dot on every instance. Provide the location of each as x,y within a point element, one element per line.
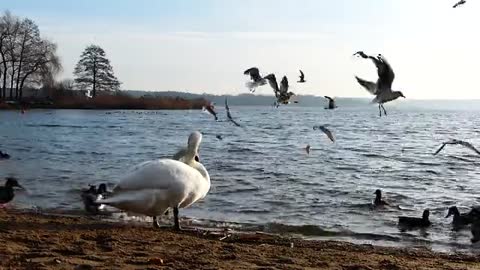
<point>176,225</point>
<point>155,222</point>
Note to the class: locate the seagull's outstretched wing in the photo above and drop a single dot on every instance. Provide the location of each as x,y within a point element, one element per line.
<point>329,98</point>
<point>302,76</point>
<point>272,81</point>
<point>463,143</point>
<point>229,116</point>
<point>284,85</point>
<point>469,146</point>
<point>459,3</point>
<point>370,86</point>
<point>211,110</point>
<point>384,71</point>
<point>440,149</point>
<point>254,74</point>
<point>385,74</point>
<point>326,131</point>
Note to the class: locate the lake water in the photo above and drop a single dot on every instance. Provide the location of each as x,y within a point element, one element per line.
<point>261,176</point>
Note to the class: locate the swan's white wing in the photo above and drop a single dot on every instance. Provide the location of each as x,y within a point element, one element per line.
<point>131,197</point>
<point>160,174</point>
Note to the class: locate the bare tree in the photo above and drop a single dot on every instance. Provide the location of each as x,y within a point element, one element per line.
<point>26,58</point>
<point>94,72</point>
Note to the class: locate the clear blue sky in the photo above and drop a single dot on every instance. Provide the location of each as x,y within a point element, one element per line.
<point>204,45</point>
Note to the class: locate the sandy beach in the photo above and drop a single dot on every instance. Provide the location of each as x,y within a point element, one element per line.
<point>39,241</point>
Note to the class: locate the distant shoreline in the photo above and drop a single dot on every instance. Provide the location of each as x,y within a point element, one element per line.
<point>107,103</point>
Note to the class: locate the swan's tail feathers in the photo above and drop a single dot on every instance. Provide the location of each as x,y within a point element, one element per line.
<point>137,201</point>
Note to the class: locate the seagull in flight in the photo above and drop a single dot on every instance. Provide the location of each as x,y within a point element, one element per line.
<point>331,103</point>
<point>257,80</point>
<point>229,116</point>
<point>459,3</point>
<point>209,108</point>
<point>459,142</point>
<point>326,131</point>
<point>382,89</point>
<point>302,77</point>
<point>282,94</point>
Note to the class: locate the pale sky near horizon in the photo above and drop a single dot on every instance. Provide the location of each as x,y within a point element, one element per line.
<point>204,46</point>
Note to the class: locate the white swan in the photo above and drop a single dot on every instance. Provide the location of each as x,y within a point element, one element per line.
<point>154,186</point>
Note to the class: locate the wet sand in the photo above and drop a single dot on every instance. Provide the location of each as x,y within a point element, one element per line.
<point>35,241</point>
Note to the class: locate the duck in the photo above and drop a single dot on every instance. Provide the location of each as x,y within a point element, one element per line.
<point>152,187</point>
<point>4,155</point>
<point>91,195</point>
<point>7,192</point>
<point>378,199</point>
<point>458,218</point>
<point>414,221</point>
<point>475,230</point>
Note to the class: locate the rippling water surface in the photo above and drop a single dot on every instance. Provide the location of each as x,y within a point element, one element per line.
<point>261,176</point>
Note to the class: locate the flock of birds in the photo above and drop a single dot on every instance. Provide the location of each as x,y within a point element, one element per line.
<point>460,220</point>
<point>153,187</point>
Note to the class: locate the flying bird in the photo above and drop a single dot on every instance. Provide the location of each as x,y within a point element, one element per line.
<point>307,148</point>
<point>302,77</point>
<point>282,94</point>
<point>229,116</point>
<point>209,108</point>
<point>331,103</point>
<point>382,89</point>
<point>257,80</point>
<point>459,3</point>
<point>326,131</point>
<point>459,142</point>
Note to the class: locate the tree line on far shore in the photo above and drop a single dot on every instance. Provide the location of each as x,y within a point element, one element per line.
<point>28,60</point>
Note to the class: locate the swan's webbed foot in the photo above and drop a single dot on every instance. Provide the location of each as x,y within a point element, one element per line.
<point>176,225</point>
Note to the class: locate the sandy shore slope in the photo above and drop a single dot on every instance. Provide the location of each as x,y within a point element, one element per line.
<point>33,241</point>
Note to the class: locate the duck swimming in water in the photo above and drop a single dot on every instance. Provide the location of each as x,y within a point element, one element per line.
<point>6,192</point>
<point>475,229</point>
<point>4,155</point>
<point>378,199</point>
<point>458,218</point>
<point>414,221</point>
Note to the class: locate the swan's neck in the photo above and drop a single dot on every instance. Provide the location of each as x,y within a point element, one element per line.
<point>201,169</point>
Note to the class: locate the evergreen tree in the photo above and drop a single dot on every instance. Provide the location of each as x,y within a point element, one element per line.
<point>93,72</point>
